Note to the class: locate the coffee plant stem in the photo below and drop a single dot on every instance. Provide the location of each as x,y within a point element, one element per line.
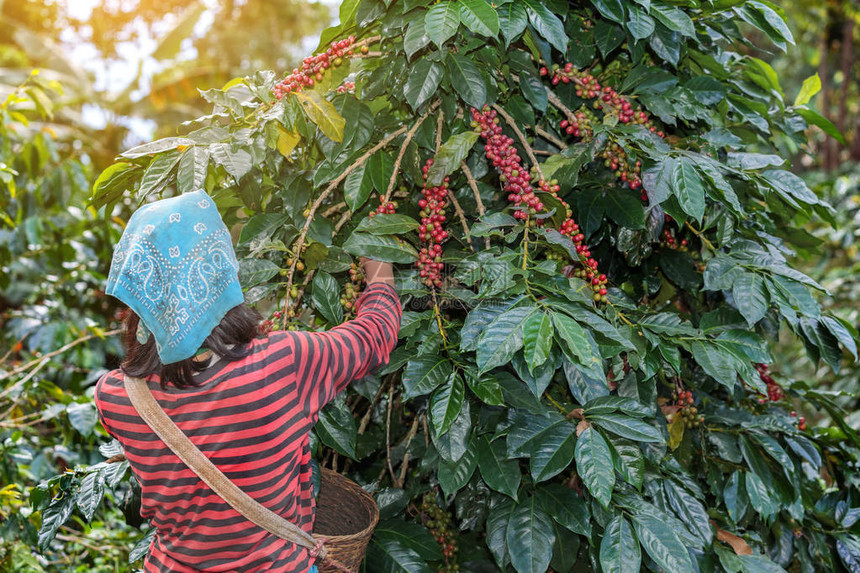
<point>550,137</point>
<point>462,216</point>
<point>558,406</point>
<point>388,432</point>
<point>525,244</point>
<point>316,205</point>
<point>409,135</point>
<point>439,120</point>
<point>406,455</point>
<point>701,236</point>
<point>53,353</point>
<point>477,193</point>
<point>334,209</point>
<point>438,315</point>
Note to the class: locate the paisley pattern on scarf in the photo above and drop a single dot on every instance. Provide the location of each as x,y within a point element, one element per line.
<point>175,267</point>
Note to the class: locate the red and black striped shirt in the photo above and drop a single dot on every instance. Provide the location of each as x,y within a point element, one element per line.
<point>251,417</point>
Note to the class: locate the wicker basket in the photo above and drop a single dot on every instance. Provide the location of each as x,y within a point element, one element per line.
<point>345,516</point>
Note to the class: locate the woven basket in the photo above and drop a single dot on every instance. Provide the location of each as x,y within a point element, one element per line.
<point>345,516</point>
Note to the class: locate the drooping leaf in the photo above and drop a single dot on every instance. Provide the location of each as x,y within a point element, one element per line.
<point>441,22</point>
<point>450,155</point>
<point>594,465</point>
<point>499,472</point>
<point>619,549</point>
<point>529,537</point>
<point>479,17</point>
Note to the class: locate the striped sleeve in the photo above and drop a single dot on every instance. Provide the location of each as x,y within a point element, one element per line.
<point>327,361</point>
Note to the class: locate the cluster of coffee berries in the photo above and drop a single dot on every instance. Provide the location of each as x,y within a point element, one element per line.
<point>438,521</point>
<point>616,159</point>
<point>774,391</point>
<point>670,241</point>
<point>313,68</point>
<point>606,98</point>
<point>500,150</point>
<point>347,87</point>
<point>686,410</point>
<point>353,288</point>
<point>386,208</point>
<point>579,125</point>
<point>432,232</point>
<point>801,421</point>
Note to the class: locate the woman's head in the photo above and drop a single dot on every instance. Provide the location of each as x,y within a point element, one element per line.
<point>176,270</point>
<point>229,339</point>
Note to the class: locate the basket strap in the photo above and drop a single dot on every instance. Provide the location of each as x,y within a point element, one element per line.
<point>157,419</point>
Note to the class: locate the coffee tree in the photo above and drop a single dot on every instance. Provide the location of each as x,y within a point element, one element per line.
<point>590,213</point>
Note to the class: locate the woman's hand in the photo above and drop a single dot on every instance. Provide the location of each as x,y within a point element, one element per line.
<point>377,271</point>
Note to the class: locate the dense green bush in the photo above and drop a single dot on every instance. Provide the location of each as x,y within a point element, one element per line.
<point>535,414</point>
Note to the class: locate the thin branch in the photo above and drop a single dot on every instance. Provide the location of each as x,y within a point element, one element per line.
<point>365,420</point>
<point>334,209</point>
<point>346,216</point>
<point>409,135</point>
<point>462,216</point>
<point>474,186</point>
<point>53,353</point>
<point>366,42</point>
<point>556,103</point>
<point>319,201</point>
<point>14,346</point>
<point>525,143</point>
<point>550,137</point>
<point>702,237</point>
<point>405,465</point>
<point>388,432</point>
<point>439,130</point>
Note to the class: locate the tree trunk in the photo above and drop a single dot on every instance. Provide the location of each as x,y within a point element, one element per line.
<point>824,74</point>
<point>847,52</point>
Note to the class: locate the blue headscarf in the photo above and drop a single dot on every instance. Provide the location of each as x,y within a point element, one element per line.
<point>175,268</point>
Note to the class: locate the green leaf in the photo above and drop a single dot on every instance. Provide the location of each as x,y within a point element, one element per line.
<point>687,187</point>
<point>357,188</point>
<point>423,80</point>
<point>326,297</point>
<point>157,175</point>
<point>566,507</point>
<point>513,20</point>
<point>382,248</point>
<point>640,24</point>
<point>537,339</point>
<point>90,494</point>
<point>453,444</point>
<point>812,117</point>
<point>424,374</point>
<point>415,38</point>
<point>321,111</point>
<point>82,416</point>
<point>759,495</point>
<point>262,226</point>
<point>388,224</point>
<point>627,427</point>
<point>625,208</point>
<point>446,402</point>
<point>441,22</point>
<point>750,297</point>
<point>479,17</point>
<point>467,79</point>
<point>661,543</point>
<point>529,538</point>
<point>502,338</point>
<point>574,340</point>
<point>253,272</point>
<point>450,155</point>
<point>141,548</point>
<point>534,91</point>
<point>336,428</point>
<point>486,388</point>
<point>552,451</point>
<point>610,9</point>
<point>689,509</point>
<point>236,163</point>
<point>193,168</point>
<point>169,44</point>
<point>609,404</point>
<point>500,473</point>
<point>674,18</point>
<point>594,465</point>
<point>412,535</point>
<point>716,362</point>
<point>157,146</point>
<point>547,24</point>
<point>392,556</point>
<point>455,475</point>
<point>55,515</point>
<point>619,548</point>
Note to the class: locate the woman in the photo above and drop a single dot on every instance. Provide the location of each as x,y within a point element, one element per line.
<point>246,401</point>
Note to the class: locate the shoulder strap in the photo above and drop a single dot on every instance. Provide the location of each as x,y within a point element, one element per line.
<point>157,419</point>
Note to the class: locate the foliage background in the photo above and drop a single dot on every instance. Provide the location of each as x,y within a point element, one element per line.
<point>54,251</point>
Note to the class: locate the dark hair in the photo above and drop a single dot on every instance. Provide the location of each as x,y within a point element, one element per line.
<point>230,340</point>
